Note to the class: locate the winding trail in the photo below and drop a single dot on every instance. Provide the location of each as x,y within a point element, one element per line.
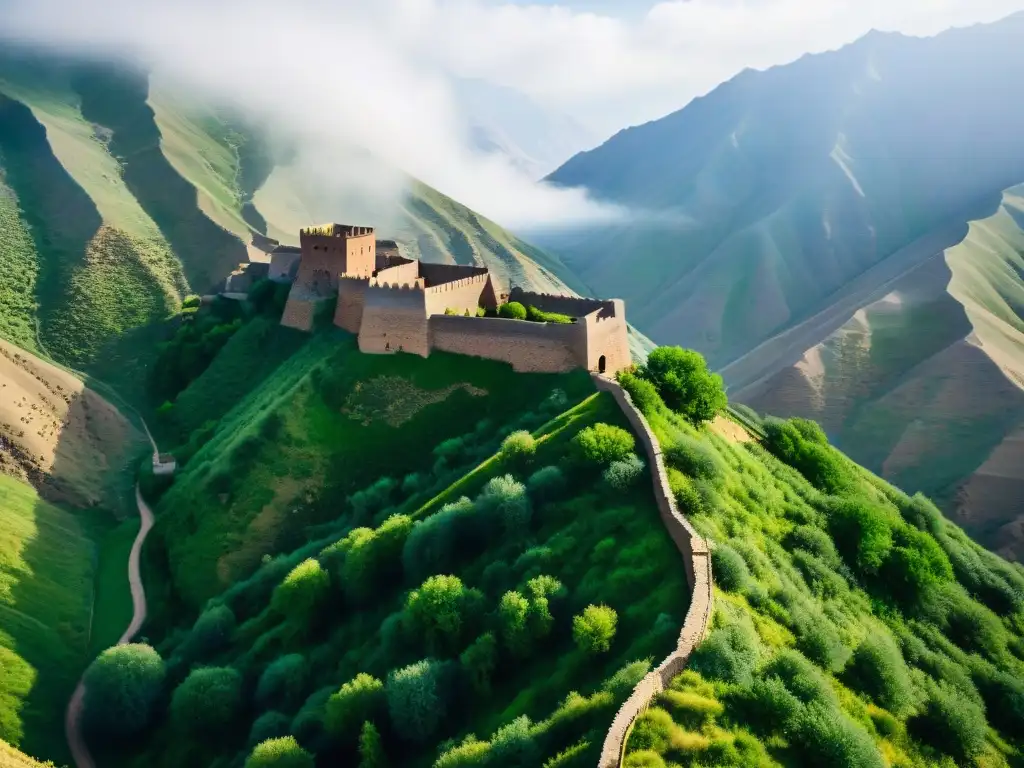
<point>73,717</point>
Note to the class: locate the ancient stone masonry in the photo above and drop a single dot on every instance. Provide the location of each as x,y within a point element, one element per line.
<point>696,559</point>
<point>396,304</point>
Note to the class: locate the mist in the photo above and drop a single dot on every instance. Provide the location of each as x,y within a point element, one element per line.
<point>322,77</point>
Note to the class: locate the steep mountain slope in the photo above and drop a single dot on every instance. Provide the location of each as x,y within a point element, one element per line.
<point>119,195</point>
<point>841,236</point>
<point>504,121</point>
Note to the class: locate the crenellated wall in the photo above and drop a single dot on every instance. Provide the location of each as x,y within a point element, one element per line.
<point>697,561</point>
<point>574,306</point>
<point>405,272</point>
<point>394,320</point>
<point>465,294</point>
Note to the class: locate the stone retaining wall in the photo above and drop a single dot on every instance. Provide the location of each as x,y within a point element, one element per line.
<point>697,559</point>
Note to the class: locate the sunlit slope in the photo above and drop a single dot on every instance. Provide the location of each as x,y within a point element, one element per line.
<point>924,384</point>
<point>779,188</point>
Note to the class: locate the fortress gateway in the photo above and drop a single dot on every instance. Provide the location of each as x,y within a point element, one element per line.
<point>395,304</point>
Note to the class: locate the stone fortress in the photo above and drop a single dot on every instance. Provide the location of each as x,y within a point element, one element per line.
<point>396,304</point>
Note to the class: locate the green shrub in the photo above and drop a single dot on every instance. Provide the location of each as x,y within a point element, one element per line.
<point>594,629</point>
<point>800,676</point>
<point>282,682</point>
<point>915,565</point>
<point>367,502</point>
<point>513,310</point>
<point>270,725</point>
<point>622,683</point>
<point>815,541</point>
<point>479,661</point>
<point>513,744</point>
<point>878,670</point>
<point>695,459</point>
<point>951,723</point>
<point>122,687</point>
<point>766,706</point>
<point>505,497</point>
<point>728,654</point>
<point>436,544</point>
<point>547,483</point>
<point>371,748</point>
<point>358,700</point>
<point>653,730</point>
<point>824,735</point>
<point>1003,694</point>
<point>208,700</point>
<point>602,444</point>
<point>192,300</point>
<point>513,614</point>
<point>309,720</point>
<point>642,392</point>
<point>415,700</point>
<point>540,316</point>
<point>623,475</point>
<point>284,752</point>
<point>728,569</point>
<point>439,610</point>
<point>210,634</point>
<point>519,447</point>
<point>819,640</point>
<point>644,758</point>
<point>373,556</point>
<point>685,384</point>
<point>862,531</point>
<point>302,592</point>
<point>687,497</point>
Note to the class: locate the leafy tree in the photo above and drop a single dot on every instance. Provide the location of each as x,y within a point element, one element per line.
<point>505,497</point>
<point>374,556</point>
<point>513,613</point>
<point>121,688</point>
<point>824,735</point>
<point>367,502</point>
<point>415,700</point>
<point>270,725</point>
<point>513,310</point>
<point>594,629</point>
<point>546,483</point>
<point>513,744</point>
<point>438,610</point>
<point>207,700</point>
<point>519,447</point>
<point>915,565</point>
<point>642,392</point>
<point>602,444</point>
<point>302,592</point>
<point>695,458</point>
<point>282,682</point>
<point>863,532</point>
<point>360,699</point>
<point>623,475</point>
<point>685,384</point>
<point>283,752</point>
<point>437,543</point>
<point>479,660</point>
<point>728,654</point>
<point>371,748</point>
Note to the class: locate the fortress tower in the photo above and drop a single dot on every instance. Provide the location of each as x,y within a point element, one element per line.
<point>328,252</point>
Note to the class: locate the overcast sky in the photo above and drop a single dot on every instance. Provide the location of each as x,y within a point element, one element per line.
<point>374,73</point>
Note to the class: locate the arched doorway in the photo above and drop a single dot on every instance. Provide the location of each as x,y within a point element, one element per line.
<point>601,364</point>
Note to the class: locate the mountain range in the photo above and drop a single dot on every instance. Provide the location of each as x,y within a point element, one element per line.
<point>842,238</point>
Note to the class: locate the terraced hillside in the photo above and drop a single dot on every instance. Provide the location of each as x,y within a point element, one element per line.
<point>119,195</point>
<point>836,236</point>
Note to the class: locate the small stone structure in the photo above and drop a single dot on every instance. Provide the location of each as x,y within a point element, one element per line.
<point>697,561</point>
<point>284,263</point>
<point>241,281</point>
<point>164,464</point>
<point>395,304</point>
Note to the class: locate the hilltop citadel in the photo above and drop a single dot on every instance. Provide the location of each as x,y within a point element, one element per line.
<point>397,304</point>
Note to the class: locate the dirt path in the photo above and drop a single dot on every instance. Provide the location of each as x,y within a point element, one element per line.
<point>72,719</point>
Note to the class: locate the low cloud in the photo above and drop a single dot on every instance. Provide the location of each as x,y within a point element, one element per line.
<point>375,74</point>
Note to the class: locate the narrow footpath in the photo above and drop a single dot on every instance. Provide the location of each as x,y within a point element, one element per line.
<point>73,718</point>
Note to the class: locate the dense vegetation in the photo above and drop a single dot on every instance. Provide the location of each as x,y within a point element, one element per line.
<point>854,626</point>
<point>479,608</point>
<point>46,572</point>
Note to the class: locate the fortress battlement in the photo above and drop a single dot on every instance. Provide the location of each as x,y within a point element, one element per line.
<point>397,304</point>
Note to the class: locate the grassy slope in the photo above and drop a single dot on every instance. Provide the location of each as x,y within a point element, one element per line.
<point>791,592</point>
<point>604,547</point>
<point>12,758</point>
<point>46,571</point>
<point>19,261</point>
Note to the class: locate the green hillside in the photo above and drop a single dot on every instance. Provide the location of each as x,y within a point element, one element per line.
<point>119,196</point>
<point>46,592</point>
<point>854,625</point>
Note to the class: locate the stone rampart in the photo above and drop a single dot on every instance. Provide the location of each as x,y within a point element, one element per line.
<point>697,560</point>
<point>397,273</point>
<point>574,306</point>
<point>529,347</point>
<point>394,320</point>
<point>351,300</point>
<point>298,313</point>
<point>435,274</point>
<point>465,294</point>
